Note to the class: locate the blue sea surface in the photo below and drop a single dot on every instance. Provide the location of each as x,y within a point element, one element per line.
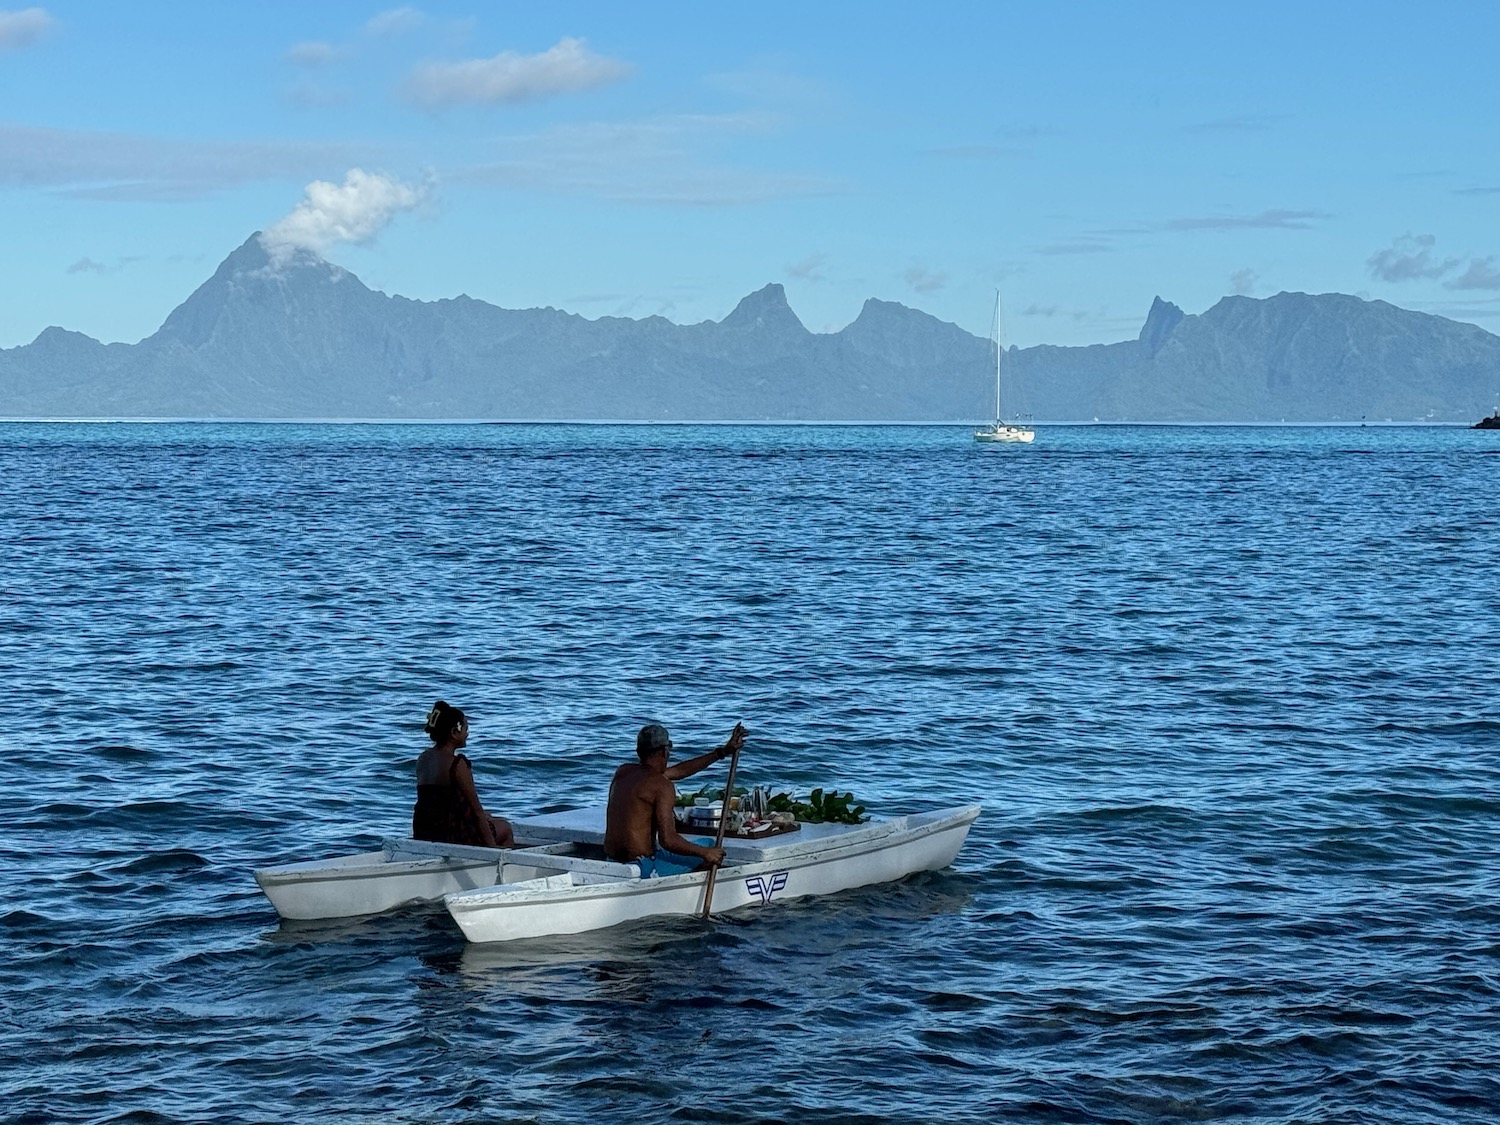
<point>1228,697</point>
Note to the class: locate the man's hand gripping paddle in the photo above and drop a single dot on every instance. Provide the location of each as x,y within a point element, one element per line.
<point>734,762</point>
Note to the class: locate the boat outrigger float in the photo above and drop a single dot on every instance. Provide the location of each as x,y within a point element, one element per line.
<point>556,880</point>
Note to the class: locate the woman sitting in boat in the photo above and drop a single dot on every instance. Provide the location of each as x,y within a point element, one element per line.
<point>448,809</point>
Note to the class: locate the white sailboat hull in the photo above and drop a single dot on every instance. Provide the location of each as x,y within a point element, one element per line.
<point>1005,433</point>
<point>832,858</point>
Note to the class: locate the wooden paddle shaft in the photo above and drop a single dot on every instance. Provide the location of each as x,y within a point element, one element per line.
<point>708,886</point>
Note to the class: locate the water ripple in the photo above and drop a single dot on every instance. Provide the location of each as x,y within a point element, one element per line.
<point>1226,695</point>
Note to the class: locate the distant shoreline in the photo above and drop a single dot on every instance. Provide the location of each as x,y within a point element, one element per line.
<point>761,423</point>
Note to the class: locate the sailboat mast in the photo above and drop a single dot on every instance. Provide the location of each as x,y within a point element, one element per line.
<point>997,358</point>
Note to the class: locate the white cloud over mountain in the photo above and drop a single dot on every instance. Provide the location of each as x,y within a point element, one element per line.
<point>1408,258</point>
<point>330,214</point>
<point>1481,274</point>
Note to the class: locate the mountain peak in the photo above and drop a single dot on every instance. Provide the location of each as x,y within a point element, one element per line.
<point>765,309</point>
<point>253,260</point>
<point>874,307</point>
<point>1161,321</point>
<point>910,336</point>
<point>248,255</point>
<point>293,277</point>
<point>63,342</point>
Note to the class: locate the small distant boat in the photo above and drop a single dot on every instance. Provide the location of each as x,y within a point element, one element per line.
<point>1001,430</point>
<point>558,882</point>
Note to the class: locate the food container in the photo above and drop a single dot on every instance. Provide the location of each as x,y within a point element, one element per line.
<point>705,813</point>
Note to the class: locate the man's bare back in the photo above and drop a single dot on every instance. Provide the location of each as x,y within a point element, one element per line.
<point>633,823</point>
<point>639,818</point>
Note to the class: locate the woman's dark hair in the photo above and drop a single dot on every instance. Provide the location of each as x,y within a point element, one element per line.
<point>441,721</point>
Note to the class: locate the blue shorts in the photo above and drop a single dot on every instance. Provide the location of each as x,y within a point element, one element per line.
<point>665,863</point>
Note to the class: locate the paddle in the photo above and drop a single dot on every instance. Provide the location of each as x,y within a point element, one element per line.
<point>708,887</point>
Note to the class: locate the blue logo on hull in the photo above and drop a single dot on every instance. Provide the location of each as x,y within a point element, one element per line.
<point>764,886</point>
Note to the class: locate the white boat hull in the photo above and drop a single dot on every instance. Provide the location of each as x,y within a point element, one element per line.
<point>410,871</point>
<point>835,858</point>
<point>1005,434</point>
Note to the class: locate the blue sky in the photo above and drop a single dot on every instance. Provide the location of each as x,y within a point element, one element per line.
<point>669,158</point>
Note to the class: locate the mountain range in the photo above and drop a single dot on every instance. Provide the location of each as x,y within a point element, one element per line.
<point>306,339</point>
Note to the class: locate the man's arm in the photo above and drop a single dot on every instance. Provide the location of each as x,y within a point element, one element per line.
<point>666,830</point>
<point>703,761</point>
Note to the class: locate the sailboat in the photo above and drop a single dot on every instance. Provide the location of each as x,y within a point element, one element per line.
<point>1002,431</point>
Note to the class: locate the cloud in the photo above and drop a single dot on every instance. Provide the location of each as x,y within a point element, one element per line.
<point>1409,258</point>
<point>23,28</point>
<point>388,24</point>
<point>923,280</point>
<point>1477,191</point>
<point>311,53</point>
<point>509,78</point>
<point>660,160</point>
<point>115,166</point>
<point>1244,281</point>
<point>395,21</point>
<point>809,268</point>
<point>88,265</point>
<point>1265,220</point>
<point>355,211</point>
<point>1481,274</point>
<point>1041,310</point>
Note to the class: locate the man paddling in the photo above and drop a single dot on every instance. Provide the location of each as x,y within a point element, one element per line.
<point>639,824</point>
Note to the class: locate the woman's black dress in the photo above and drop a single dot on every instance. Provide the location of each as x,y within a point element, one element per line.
<point>443,815</point>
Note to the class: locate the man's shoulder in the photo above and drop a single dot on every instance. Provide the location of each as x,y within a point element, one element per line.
<point>636,775</point>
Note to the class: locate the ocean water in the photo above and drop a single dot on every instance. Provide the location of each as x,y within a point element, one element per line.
<point>1228,697</point>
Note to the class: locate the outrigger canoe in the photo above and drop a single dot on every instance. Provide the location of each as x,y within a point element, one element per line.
<point>411,871</point>
<point>556,881</point>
